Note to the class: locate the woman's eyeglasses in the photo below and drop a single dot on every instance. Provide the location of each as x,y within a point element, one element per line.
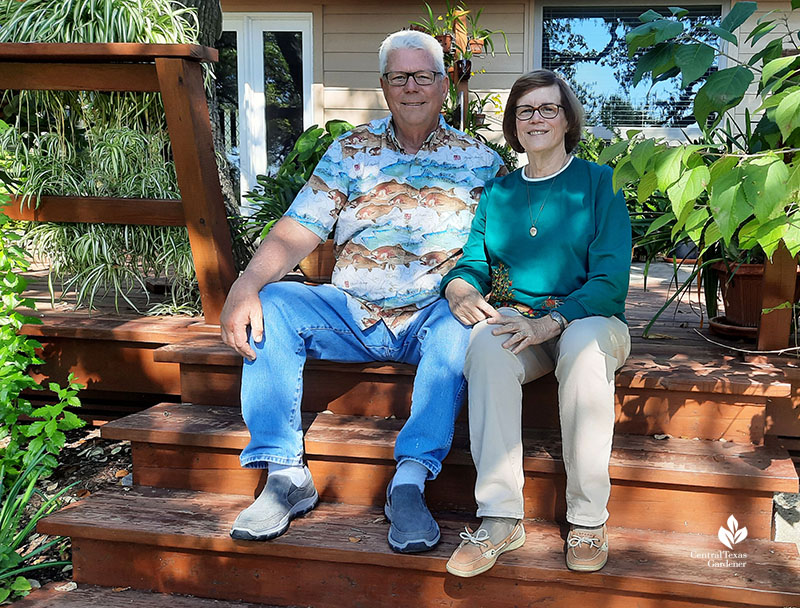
<point>546,110</point>
<point>398,79</point>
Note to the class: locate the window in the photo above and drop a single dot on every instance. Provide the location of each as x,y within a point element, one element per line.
<point>264,89</point>
<point>586,45</point>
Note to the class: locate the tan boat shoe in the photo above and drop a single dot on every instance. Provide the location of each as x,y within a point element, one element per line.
<point>476,553</point>
<point>587,550</point>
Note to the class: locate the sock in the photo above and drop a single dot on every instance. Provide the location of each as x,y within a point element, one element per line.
<point>498,527</point>
<point>410,471</point>
<point>298,474</point>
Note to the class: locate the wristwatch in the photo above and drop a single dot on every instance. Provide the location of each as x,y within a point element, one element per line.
<point>558,318</point>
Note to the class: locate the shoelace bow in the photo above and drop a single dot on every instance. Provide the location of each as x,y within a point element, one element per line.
<point>575,540</point>
<point>477,538</point>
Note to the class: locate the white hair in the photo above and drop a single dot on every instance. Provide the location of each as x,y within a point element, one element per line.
<point>411,39</point>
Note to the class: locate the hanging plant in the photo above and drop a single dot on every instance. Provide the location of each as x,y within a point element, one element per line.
<point>90,143</point>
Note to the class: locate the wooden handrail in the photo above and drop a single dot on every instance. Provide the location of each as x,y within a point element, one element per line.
<point>100,210</point>
<point>173,70</point>
<point>102,52</point>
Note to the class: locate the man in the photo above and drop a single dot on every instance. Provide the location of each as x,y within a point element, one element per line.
<point>401,192</point>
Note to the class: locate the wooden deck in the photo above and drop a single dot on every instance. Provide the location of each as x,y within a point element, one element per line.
<point>700,435</point>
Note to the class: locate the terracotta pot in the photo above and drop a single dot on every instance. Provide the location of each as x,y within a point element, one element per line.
<point>479,119</point>
<point>476,46</point>
<point>742,294</point>
<point>317,267</point>
<point>446,40</point>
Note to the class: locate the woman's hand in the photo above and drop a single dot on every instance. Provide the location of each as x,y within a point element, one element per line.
<point>467,304</point>
<point>524,332</point>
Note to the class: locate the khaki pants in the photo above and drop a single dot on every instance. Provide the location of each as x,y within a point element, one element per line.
<point>585,357</point>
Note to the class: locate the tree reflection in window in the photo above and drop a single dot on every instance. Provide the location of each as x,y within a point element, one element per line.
<point>587,46</point>
<point>283,89</point>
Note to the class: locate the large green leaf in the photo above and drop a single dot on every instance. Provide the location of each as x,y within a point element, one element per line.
<point>775,66</point>
<point>652,33</point>
<point>677,11</point>
<point>642,155</point>
<point>721,167</point>
<point>612,151</point>
<point>649,16</point>
<point>688,188</point>
<point>668,167</point>
<point>722,91</point>
<point>761,30</point>
<point>693,60</point>
<point>728,205</point>
<point>792,235</point>
<point>787,114</point>
<point>696,222</point>
<point>624,173</point>
<point>738,14</point>
<point>765,185</point>
<point>772,50</point>
<point>795,4</point>
<point>647,185</point>
<point>657,60</point>
<point>724,34</point>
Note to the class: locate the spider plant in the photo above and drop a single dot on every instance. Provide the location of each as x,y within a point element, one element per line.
<point>99,144</point>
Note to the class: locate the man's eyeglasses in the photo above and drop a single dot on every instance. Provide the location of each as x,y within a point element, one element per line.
<point>423,78</point>
<point>546,110</point>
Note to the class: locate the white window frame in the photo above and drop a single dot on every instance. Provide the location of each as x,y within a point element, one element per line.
<point>249,30</point>
<point>668,133</point>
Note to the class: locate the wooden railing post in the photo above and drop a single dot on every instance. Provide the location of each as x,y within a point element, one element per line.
<point>186,110</point>
<point>780,278</point>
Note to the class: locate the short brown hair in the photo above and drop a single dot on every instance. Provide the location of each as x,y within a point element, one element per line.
<point>573,110</point>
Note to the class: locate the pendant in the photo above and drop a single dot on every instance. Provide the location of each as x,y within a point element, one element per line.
<point>533,231</point>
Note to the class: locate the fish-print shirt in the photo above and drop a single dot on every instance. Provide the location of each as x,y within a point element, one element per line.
<point>401,219</point>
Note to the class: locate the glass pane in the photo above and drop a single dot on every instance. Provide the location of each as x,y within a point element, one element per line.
<point>227,85</point>
<point>283,88</point>
<point>587,46</point>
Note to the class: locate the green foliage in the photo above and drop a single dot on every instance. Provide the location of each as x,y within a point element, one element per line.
<point>22,505</point>
<point>89,143</point>
<point>45,430</point>
<point>274,193</point>
<point>736,181</point>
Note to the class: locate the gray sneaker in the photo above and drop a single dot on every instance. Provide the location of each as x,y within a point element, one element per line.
<point>279,503</point>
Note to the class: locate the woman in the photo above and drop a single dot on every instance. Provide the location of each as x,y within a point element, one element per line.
<point>551,244</point>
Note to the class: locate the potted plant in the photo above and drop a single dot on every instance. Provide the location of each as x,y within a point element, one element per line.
<point>480,38</point>
<point>436,26</point>
<point>274,193</point>
<point>736,188</point>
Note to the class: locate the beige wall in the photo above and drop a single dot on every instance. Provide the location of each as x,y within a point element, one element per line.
<point>745,51</point>
<point>353,32</point>
<point>346,40</point>
<point>347,34</point>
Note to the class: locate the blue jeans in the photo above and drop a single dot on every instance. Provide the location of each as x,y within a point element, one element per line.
<point>301,321</point>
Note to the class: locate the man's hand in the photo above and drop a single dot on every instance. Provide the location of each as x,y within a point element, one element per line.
<point>524,332</point>
<point>287,243</point>
<point>466,303</point>
<point>242,309</point>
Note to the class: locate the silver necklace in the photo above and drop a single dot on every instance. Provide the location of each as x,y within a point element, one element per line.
<point>533,230</point>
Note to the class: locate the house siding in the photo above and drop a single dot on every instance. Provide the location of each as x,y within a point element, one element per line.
<point>347,34</point>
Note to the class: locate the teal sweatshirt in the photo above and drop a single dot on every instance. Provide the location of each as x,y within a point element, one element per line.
<point>579,261</point>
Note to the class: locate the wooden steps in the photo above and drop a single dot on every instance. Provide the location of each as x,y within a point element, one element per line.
<point>674,395</point>
<point>60,595</point>
<point>177,541</point>
<point>675,484</point>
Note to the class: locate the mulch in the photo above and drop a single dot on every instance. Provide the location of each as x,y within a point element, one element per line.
<point>91,464</point>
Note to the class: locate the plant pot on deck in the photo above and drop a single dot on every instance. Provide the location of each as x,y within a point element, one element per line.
<point>317,267</point>
<point>742,297</point>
